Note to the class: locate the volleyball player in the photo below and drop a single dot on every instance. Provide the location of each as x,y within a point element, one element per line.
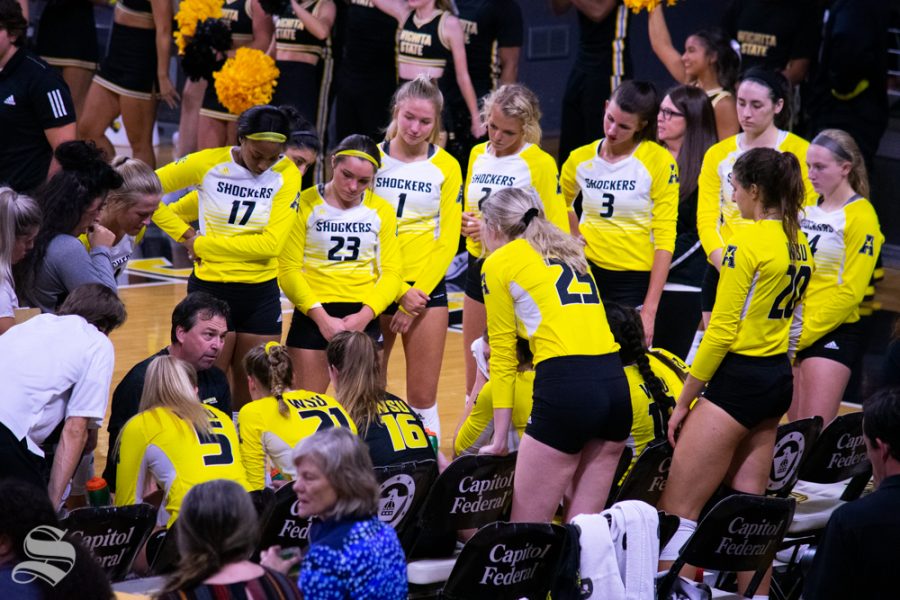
<point>244,205</point>
<point>762,95</point>
<point>303,58</point>
<point>846,239</point>
<point>303,145</point>
<point>686,127</point>
<point>128,209</point>
<point>536,283</point>
<point>174,442</point>
<point>708,62</point>
<point>729,434</point>
<point>512,157</point>
<point>20,218</point>
<point>279,416</point>
<point>132,77</point>
<point>341,265</point>
<point>430,35</point>
<point>423,183</point>
<point>629,195</point>
<point>250,27</point>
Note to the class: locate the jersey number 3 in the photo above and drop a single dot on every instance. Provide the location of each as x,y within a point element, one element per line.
<point>565,281</point>
<point>791,294</point>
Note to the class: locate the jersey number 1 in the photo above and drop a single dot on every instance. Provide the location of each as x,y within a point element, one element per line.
<point>565,280</point>
<point>791,294</point>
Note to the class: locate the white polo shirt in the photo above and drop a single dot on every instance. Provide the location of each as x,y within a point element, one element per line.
<point>52,368</point>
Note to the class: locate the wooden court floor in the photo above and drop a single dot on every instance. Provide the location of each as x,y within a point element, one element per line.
<point>147,331</point>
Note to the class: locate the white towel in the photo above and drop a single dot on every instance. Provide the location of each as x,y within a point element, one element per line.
<point>637,560</point>
<point>600,578</point>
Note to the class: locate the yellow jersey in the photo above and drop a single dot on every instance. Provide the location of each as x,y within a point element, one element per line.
<point>244,218</point>
<point>718,216</point>
<point>845,243</point>
<point>427,198</point>
<point>546,302</point>
<point>629,208</point>
<point>763,279</point>
<point>267,433</point>
<point>482,413</point>
<point>530,167</point>
<point>336,255</point>
<point>157,443</point>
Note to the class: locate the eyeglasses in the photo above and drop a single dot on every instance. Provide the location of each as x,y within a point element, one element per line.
<point>668,114</point>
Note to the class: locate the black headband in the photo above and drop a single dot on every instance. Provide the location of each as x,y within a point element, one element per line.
<point>833,146</point>
<point>768,78</point>
<point>529,215</point>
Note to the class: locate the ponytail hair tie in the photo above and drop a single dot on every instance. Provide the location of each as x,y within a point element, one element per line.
<point>529,215</point>
<point>271,345</point>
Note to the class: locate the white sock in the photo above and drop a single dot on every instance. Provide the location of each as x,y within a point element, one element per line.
<point>760,597</point>
<point>686,529</point>
<point>694,346</point>
<point>430,418</point>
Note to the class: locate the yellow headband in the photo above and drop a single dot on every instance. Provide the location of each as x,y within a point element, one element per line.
<point>271,345</point>
<point>358,154</point>
<point>267,136</point>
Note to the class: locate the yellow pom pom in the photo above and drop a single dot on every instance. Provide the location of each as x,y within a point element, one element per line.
<point>637,6</point>
<point>192,12</point>
<point>247,79</point>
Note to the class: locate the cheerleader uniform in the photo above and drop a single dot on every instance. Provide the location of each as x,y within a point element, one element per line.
<point>129,68</point>
<point>238,14</point>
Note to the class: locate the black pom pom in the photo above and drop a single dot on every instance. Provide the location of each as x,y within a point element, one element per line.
<point>215,33</point>
<point>204,53</point>
<point>275,7</point>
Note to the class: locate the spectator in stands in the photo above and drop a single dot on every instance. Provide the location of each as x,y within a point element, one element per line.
<point>70,202</point>
<point>37,113</point>
<point>778,35</point>
<point>217,532</point>
<point>351,554</point>
<point>198,333</point>
<point>20,218</point>
<point>62,373</point>
<point>858,553</point>
<point>849,87</point>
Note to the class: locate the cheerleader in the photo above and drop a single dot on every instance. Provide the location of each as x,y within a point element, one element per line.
<point>341,265</point>
<point>245,206</point>
<point>430,35</point>
<point>537,284</point>
<point>132,78</point>
<point>423,184</point>
<point>512,157</point>
<point>174,442</point>
<point>728,436</point>
<point>708,62</point>
<point>846,239</point>
<point>279,416</point>
<point>629,194</point>
<point>761,97</point>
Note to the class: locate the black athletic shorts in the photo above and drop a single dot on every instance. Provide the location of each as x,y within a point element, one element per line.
<point>752,388</point>
<point>473,278</point>
<point>578,399</point>
<point>67,35</point>
<point>708,289</point>
<point>625,287</point>
<point>129,68</point>
<point>437,298</point>
<point>255,307</point>
<point>842,345</point>
<point>211,106</point>
<point>304,333</point>
<point>298,86</point>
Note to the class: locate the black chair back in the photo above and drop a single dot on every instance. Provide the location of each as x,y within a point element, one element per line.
<point>162,552</point>
<point>404,488</point>
<point>113,534</point>
<point>793,443</point>
<point>839,453</point>
<point>282,526</point>
<point>473,491</point>
<point>648,477</point>
<point>740,533</point>
<point>506,561</point>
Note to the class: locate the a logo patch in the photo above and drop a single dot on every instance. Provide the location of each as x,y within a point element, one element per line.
<point>728,257</point>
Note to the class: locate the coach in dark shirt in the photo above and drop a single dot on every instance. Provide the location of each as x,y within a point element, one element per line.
<point>198,333</point>
<point>36,109</point>
<point>859,553</point>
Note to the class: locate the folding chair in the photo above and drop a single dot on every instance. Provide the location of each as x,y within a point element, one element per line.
<point>740,533</point>
<point>621,469</point>
<point>505,561</point>
<point>113,534</point>
<point>648,477</point>
<point>281,525</point>
<point>404,488</point>
<point>793,444</point>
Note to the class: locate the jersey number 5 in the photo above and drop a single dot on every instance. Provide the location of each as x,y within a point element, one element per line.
<point>565,280</point>
<point>225,456</point>
<point>791,294</point>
